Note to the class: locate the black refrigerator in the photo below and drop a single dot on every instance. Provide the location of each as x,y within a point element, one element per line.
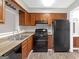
<point>61,35</point>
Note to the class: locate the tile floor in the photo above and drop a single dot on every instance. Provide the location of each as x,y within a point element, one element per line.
<point>51,55</point>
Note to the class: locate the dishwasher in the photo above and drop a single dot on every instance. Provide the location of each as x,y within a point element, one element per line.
<point>9,55</point>
<point>13,54</point>
<point>18,51</point>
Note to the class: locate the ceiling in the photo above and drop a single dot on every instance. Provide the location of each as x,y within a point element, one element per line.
<point>37,6</point>
<point>57,4</point>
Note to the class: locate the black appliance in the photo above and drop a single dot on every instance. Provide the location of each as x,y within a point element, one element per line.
<point>41,22</point>
<point>41,40</point>
<point>61,35</point>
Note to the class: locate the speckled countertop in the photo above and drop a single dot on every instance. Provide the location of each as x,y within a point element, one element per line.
<point>6,44</point>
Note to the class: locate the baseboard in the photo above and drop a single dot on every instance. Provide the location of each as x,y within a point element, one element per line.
<point>75,48</point>
<point>29,54</point>
<point>49,49</point>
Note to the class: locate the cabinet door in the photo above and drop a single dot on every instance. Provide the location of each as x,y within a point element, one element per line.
<point>25,49</point>
<point>60,16</point>
<point>32,19</point>
<point>49,21</point>
<point>21,17</point>
<point>2,11</point>
<point>30,44</point>
<point>27,19</point>
<point>49,17</point>
<point>24,53</point>
<point>27,46</point>
<point>76,42</point>
<point>50,42</point>
<point>38,17</point>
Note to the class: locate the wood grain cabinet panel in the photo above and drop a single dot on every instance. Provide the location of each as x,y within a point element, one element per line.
<point>60,16</point>
<point>31,43</point>
<point>27,46</point>
<point>37,17</point>
<point>25,49</point>
<point>32,17</point>
<point>24,18</point>
<point>50,17</point>
<point>2,15</point>
<point>50,42</point>
<point>24,52</point>
<point>76,42</point>
<point>21,17</point>
<point>27,19</point>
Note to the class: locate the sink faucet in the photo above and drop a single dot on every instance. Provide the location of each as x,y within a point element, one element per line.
<point>14,38</point>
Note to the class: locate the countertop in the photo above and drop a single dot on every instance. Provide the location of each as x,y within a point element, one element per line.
<point>6,44</point>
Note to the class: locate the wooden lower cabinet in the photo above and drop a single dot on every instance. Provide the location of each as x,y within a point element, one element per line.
<point>76,42</point>
<point>27,47</point>
<point>50,42</point>
<point>30,44</point>
<point>24,53</point>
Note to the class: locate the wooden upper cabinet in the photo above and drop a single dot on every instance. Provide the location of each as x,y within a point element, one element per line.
<point>32,17</point>
<point>38,17</point>
<point>27,19</point>
<point>60,16</point>
<point>21,17</point>
<point>49,17</point>
<point>2,11</point>
<point>24,18</point>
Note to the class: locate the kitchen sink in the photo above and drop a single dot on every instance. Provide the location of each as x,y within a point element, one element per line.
<point>21,37</point>
<point>18,37</point>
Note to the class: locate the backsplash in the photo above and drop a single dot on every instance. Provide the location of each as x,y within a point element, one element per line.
<point>2,35</point>
<point>32,28</point>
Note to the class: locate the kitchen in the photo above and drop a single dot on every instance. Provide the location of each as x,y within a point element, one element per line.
<point>19,20</point>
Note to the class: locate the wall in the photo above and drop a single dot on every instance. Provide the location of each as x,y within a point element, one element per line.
<point>11,21</point>
<point>32,28</point>
<point>72,15</point>
<point>72,7</point>
<point>69,16</point>
<point>47,10</point>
